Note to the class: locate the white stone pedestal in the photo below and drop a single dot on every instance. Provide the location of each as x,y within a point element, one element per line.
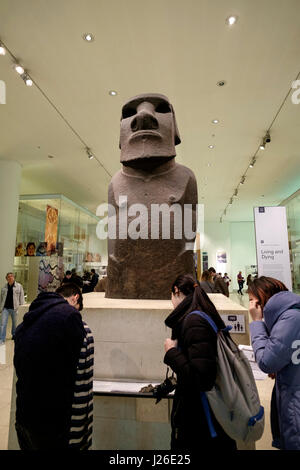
<point>129,337</point>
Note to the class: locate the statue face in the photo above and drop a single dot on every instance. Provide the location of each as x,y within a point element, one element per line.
<point>148,128</point>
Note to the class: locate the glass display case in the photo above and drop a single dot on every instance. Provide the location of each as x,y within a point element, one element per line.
<point>293,219</point>
<point>55,235</point>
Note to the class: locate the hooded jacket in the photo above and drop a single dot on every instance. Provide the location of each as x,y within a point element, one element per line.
<point>47,349</point>
<point>276,342</point>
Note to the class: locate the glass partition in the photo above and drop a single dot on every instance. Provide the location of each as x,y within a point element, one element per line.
<point>55,235</point>
<point>293,219</point>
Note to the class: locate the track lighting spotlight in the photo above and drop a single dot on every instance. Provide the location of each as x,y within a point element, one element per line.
<point>243,180</point>
<point>262,146</point>
<point>89,153</point>
<point>252,162</point>
<point>235,193</point>
<point>267,138</point>
<point>27,79</point>
<point>230,201</point>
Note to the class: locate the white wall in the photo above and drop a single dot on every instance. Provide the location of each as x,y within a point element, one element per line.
<point>217,237</point>
<point>243,250</point>
<point>237,239</point>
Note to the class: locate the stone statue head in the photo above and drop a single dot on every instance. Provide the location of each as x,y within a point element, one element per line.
<point>148,129</point>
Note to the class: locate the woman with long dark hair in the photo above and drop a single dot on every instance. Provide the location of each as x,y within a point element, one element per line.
<point>276,344</point>
<point>191,353</point>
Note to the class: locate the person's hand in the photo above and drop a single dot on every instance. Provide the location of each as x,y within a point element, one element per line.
<point>272,376</point>
<point>255,310</point>
<point>170,343</point>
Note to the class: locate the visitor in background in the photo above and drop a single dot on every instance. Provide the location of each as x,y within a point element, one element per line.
<point>12,296</point>
<point>249,279</point>
<point>76,279</point>
<point>275,334</point>
<point>207,282</point>
<point>67,278</point>
<point>192,355</point>
<point>220,287</point>
<point>240,281</point>
<point>94,280</point>
<point>86,278</point>
<point>227,280</point>
<point>54,366</point>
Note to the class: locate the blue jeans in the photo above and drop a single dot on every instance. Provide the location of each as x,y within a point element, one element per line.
<point>5,314</point>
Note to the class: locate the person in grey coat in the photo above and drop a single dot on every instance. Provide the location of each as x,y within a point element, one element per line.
<point>275,336</point>
<point>12,296</point>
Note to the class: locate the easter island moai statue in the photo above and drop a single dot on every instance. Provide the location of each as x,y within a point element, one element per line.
<point>152,205</point>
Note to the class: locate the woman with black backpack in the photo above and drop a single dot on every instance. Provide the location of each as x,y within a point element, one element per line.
<point>192,354</point>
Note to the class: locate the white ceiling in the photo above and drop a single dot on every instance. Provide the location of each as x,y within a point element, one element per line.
<point>178,48</point>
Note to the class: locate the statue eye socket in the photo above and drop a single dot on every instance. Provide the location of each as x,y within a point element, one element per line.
<point>128,112</point>
<point>163,108</point>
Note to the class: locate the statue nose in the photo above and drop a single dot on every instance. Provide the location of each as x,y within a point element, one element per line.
<point>144,120</point>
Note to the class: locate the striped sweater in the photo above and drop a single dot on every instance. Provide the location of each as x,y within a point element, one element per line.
<point>82,407</point>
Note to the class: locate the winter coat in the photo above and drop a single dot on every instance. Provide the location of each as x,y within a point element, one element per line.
<point>18,296</point>
<point>220,287</point>
<point>194,362</point>
<point>276,342</point>
<point>47,349</point>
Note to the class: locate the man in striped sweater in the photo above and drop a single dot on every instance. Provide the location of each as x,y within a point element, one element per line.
<point>54,356</point>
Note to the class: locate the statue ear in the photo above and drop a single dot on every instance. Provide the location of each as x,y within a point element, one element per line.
<point>176,132</point>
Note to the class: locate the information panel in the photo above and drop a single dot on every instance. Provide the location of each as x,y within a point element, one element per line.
<point>272,246</point>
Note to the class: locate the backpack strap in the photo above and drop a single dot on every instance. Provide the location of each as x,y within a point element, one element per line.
<point>210,321</point>
<point>203,394</point>
<point>207,318</point>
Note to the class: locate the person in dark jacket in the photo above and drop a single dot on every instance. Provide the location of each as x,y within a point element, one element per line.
<point>67,278</point>
<point>76,279</point>
<point>94,280</point>
<point>50,345</point>
<point>276,344</point>
<point>220,286</point>
<point>192,354</point>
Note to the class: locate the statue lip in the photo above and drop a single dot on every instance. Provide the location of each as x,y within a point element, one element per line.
<point>145,132</point>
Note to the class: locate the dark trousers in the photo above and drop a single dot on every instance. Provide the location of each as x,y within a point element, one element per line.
<point>33,440</point>
<point>241,285</point>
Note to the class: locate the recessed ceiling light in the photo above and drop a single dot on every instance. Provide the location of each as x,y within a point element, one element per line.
<point>88,37</point>
<point>112,93</point>
<point>50,156</point>
<point>215,121</point>
<point>211,146</point>
<point>221,83</point>
<point>231,20</point>
<point>209,164</point>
